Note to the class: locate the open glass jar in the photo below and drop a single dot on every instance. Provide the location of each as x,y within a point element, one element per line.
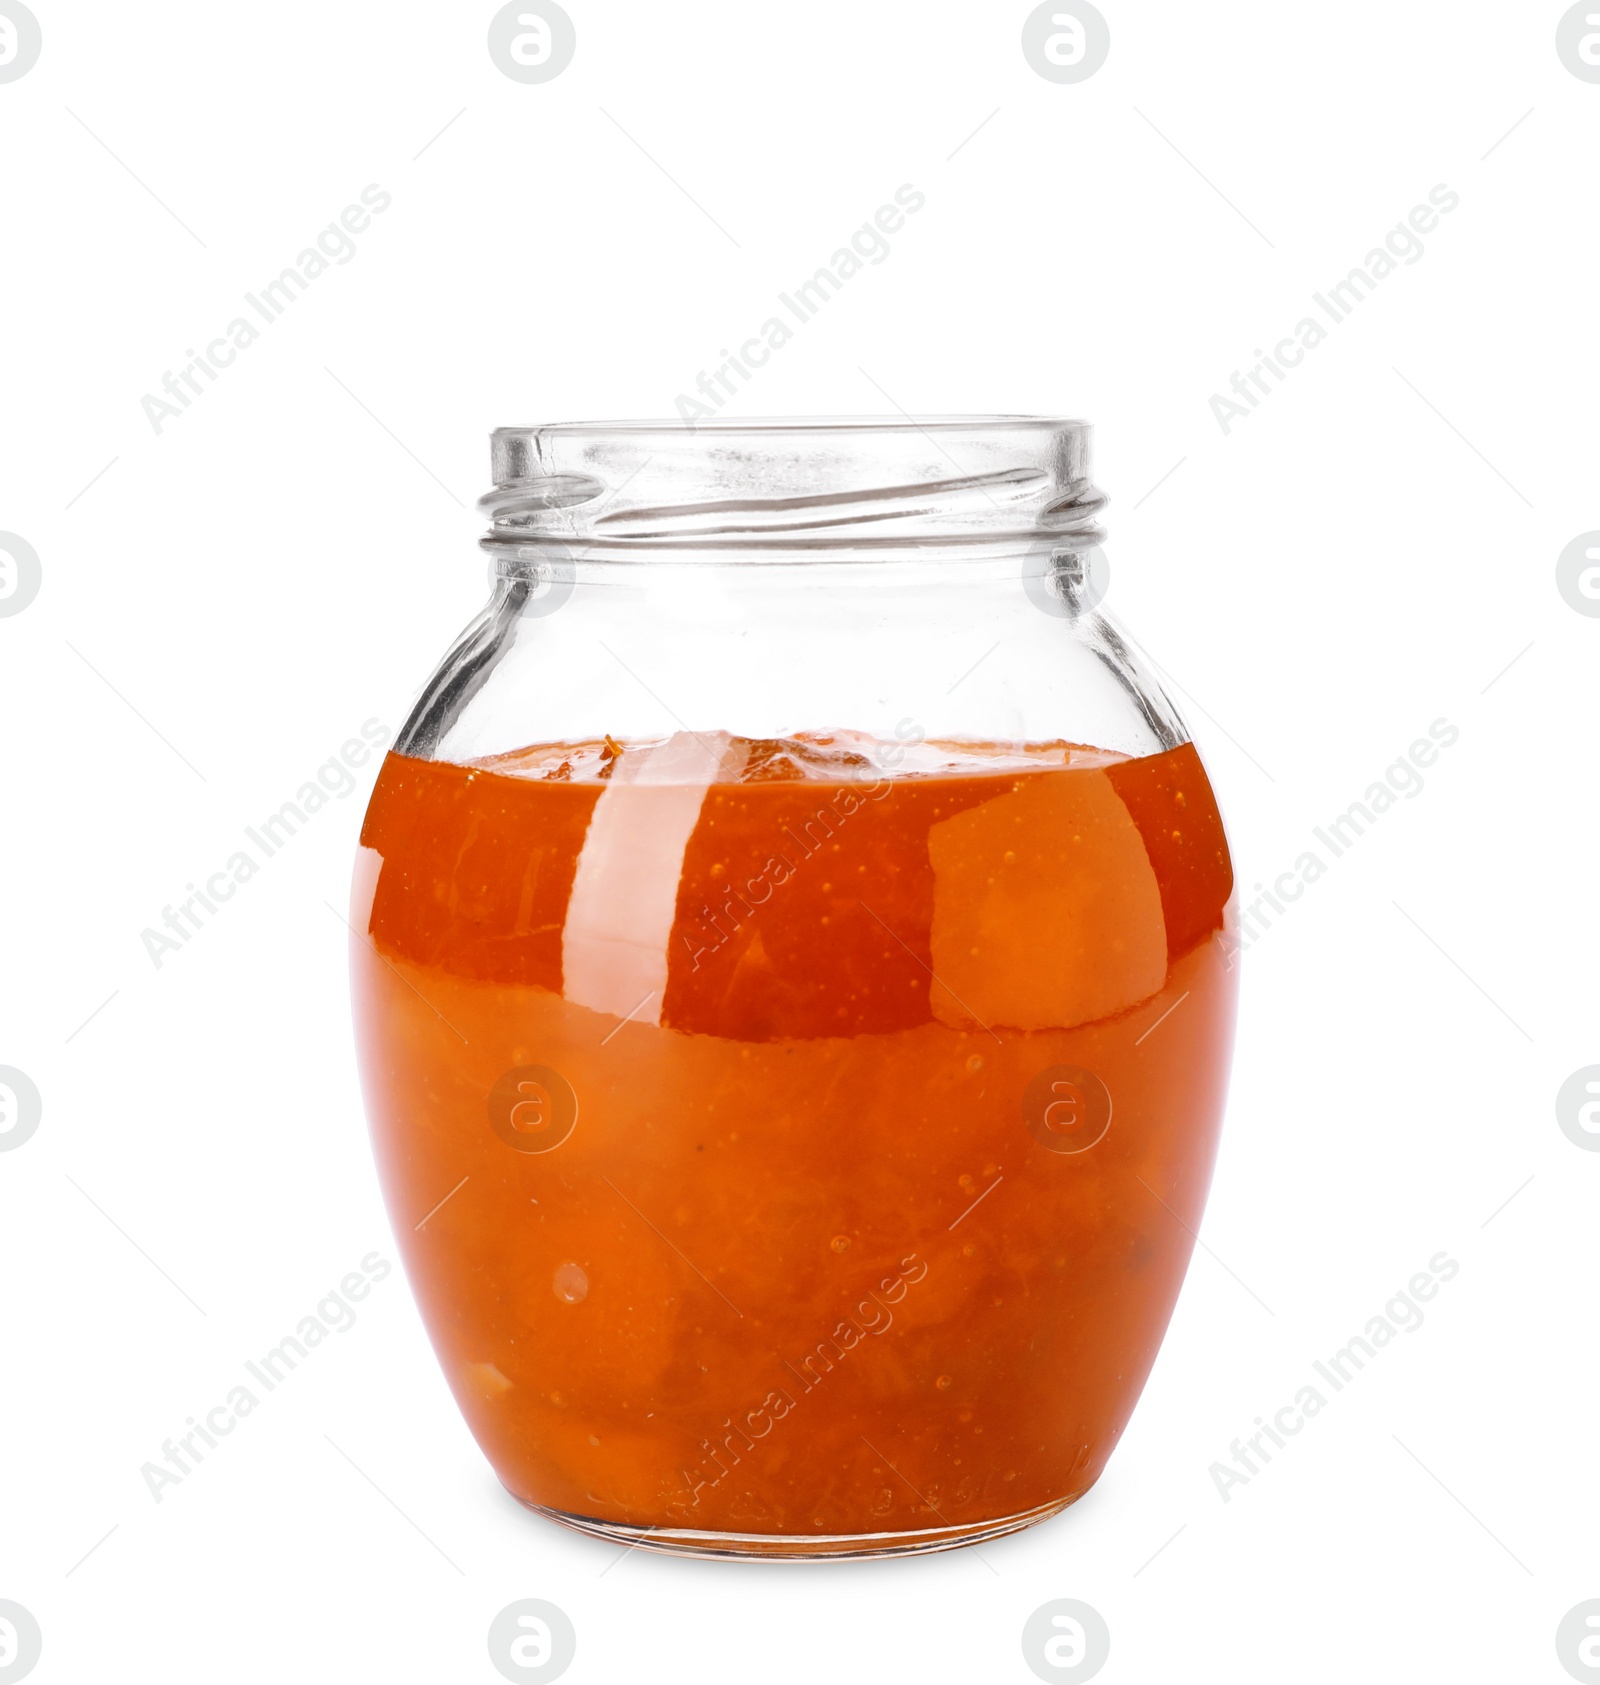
<point>792,986</point>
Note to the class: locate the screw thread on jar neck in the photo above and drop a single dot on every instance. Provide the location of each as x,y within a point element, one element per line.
<point>606,491</point>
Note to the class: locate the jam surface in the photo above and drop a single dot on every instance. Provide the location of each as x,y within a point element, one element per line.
<point>795,1137</point>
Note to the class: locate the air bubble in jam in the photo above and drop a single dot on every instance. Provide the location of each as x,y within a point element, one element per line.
<point>800,987</point>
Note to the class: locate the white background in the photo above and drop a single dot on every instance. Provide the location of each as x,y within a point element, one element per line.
<point>230,599</point>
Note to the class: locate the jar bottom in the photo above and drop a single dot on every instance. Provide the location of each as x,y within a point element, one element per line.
<point>801,1547</point>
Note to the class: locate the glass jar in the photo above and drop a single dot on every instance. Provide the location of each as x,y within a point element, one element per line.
<point>792,985</point>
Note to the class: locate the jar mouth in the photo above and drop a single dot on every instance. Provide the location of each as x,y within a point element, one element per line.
<point>796,484</point>
<point>801,424</point>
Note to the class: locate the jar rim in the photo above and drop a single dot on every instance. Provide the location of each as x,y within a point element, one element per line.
<point>762,424</point>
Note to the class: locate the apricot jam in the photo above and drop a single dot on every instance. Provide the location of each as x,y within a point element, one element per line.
<point>795,1145</point>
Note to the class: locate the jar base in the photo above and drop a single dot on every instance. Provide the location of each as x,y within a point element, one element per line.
<point>801,1547</point>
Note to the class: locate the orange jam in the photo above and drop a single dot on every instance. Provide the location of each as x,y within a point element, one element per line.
<point>795,1138</point>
